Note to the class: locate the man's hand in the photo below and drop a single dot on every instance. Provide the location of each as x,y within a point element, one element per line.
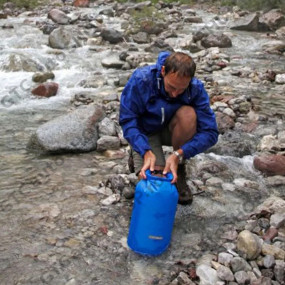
<point>149,163</point>
<point>171,166</point>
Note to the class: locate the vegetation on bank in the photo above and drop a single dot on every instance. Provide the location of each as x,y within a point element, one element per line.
<point>28,4</point>
<point>251,5</point>
<point>255,5</point>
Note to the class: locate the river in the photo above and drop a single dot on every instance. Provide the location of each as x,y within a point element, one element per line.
<point>52,232</point>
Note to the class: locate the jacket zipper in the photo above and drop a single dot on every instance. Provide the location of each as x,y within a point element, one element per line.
<point>162,115</point>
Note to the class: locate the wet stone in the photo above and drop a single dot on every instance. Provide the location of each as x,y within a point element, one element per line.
<point>242,277</point>
<point>239,264</point>
<point>225,258</point>
<point>225,273</point>
<point>277,220</point>
<point>279,271</point>
<point>269,261</point>
<point>249,244</point>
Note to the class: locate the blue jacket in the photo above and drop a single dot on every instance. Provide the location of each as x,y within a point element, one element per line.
<point>145,109</point>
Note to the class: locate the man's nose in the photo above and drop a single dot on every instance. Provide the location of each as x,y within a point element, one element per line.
<point>175,93</point>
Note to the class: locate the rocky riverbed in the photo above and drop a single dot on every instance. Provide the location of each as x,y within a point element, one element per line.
<point>66,191</point>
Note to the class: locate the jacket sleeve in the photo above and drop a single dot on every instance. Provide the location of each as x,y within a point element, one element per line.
<point>132,107</point>
<point>207,130</point>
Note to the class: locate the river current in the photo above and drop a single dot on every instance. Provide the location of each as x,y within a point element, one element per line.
<point>54,233</point>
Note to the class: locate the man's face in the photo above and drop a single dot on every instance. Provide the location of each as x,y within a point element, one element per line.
<point>174,85</point>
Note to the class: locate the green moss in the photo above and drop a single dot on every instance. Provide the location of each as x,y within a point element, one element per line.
<point>146,13</point>
<point>255,5</point>
<point>28,4</point>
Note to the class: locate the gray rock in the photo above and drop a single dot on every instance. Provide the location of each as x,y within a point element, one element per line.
<point>277,220</point>
<point>225,273</point>
<point>114,198</point>
<point>280,78</point>
<point>21,62</point>
<point>216,40</point>
<point>128,192</point>
<point>184,279</point>
<point>193,19</point>
<point>207,274</point>
<point>249,23</point>
<point>237,144</point>
<point>116,183</point>
<point>59,38</point>
<point>267,272</point>
<point>152,27</point>
<point>225,122</point>
<point>239,264</point>
<point>242,277</point>
<point>108,142</point>
<point>274,47</point>
<point>158,46</point>
<point>107,127</point>
<point>251,276</point>
<point>281,33</point>
<point>274,19</point>
<point>58,17</point>
<point>279,271</point>
<point>112,36</point>
<point>141,38</point>
<point>112,62</point>
<point>273,204</point>
<point>76,131</point>
<point>107,12</point>
<point>257,272</point>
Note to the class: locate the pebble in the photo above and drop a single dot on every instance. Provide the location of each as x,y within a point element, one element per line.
<point>114,198</point>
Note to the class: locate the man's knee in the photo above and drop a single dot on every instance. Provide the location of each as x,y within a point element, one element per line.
<point>184,115</point>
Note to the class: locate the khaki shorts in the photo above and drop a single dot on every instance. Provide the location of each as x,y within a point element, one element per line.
<point>156,142</point>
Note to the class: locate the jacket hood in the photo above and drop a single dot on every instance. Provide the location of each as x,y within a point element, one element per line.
<point>161,59</point>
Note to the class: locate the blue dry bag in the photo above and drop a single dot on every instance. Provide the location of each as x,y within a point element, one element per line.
<point>153,215</point>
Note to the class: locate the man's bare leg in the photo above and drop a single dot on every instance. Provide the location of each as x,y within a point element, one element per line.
<point>183,127</point>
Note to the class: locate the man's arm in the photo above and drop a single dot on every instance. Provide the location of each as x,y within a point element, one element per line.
<point>207,130</point>
<point>132,107</point>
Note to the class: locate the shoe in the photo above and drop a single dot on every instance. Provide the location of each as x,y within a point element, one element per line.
<point>131,162</point>
<point>184,191</point>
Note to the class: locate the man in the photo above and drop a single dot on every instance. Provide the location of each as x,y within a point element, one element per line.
<point>164,104</point>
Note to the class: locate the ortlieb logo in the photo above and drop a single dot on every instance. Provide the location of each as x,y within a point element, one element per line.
<point>155,237</point>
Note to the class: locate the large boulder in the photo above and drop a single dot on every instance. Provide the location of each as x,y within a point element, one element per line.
<point>274,19</point>
<point>274,46</point>
<point>250,23</point>
<point>159,45</point>
<point>58,17</point>
<point>73,132</point>
<point>60,38</point>
<point>112,62</point>
<point>46,89</point>
<point>17,61</point>
<point>281,33</point>
<point>152,27</point>
<point>216,40</point>
<point>112,36</point>
<point>225,122</point>
<point>238,144</point>
<point>81,3</point>
<point>270,164</point>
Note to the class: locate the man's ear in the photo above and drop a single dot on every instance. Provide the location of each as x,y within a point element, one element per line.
<point>163,71</point>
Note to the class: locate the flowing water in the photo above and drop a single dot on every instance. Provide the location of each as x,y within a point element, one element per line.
<point>52,232</point>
